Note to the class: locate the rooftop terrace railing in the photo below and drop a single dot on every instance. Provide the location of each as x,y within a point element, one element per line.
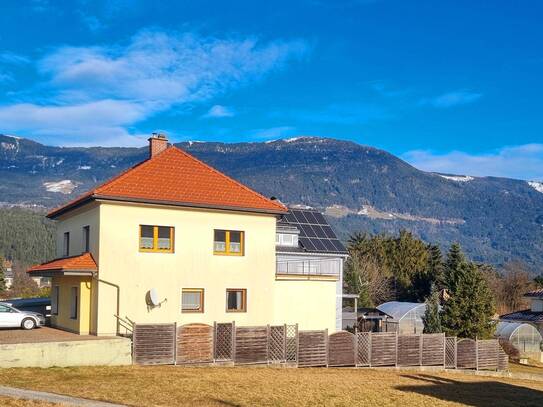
<point>309,267</point>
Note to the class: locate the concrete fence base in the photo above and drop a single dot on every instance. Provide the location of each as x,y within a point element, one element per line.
<point>103,352</point>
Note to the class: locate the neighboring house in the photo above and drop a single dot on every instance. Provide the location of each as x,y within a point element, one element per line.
<point>174,240</point>
<point>309,250</point>
<point>8,275</point>
<point>407,315</point>
<point>533,315</point>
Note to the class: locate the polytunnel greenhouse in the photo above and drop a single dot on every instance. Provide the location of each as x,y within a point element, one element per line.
<point>525,337</point>
<point>408,315</point>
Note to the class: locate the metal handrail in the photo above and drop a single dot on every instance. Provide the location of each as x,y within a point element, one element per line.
<point>309,267</point>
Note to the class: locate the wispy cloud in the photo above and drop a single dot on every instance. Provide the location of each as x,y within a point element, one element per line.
<point>272,132</point>
<point>218,111</point>
<point>121,85</point>
<point>450,99</point>
<point>13,58</point>
<point>521,162</point>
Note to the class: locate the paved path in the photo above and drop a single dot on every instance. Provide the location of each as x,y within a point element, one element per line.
<point>52,398</point>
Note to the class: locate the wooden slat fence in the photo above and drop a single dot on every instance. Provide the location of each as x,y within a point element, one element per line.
<point>225,342</point>
<point>342,349</point>
<point>488,354</point>
<point>383,349</point>
<point>194,344</point>
<point>466,354</point>
<point>433,350</point>
<point>154,344</point>
<point>312,348</point>
<point>251,344</point>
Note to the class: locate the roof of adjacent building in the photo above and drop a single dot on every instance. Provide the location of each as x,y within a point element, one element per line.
<point>316,235</point>
<point>174,177</point>
<point>536,293</point>
<point>82,262</point>
<point>525,315</point>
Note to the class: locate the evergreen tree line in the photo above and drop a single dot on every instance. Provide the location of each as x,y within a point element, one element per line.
<point>26,237</point>
<point>461,295</point>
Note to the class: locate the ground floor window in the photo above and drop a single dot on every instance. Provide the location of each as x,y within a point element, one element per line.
<point>192,300</point>
<point>54,299</point>
<point>74,302</point>
<point>236,300</point>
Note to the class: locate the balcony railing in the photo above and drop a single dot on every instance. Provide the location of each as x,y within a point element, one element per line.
<point>309,267</point>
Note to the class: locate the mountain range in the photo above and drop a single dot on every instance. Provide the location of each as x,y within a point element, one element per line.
<point>360,188</point>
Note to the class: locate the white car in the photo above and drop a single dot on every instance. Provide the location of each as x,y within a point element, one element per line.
<point>13,318</point>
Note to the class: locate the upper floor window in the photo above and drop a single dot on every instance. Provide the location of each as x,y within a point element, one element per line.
<point>156,238</point>
<point>86,239</point>
<point>66,244</point>
<point>229,242</point>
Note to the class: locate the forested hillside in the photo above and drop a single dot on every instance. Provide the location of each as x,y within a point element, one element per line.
<point>25,236</point>
<point>361,188</point>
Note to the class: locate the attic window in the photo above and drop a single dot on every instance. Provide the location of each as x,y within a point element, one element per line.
<point>156,239</point>
<point>286,239</point>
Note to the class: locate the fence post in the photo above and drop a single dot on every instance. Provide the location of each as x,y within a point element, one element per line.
<point>455,352</point>
<point>327,345</point>
<point>233,345</point>
<point>175,343</point>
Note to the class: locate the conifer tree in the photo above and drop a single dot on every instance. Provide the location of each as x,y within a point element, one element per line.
<point>432,316</point>
<point>469,309</point>
<point>435,266</point>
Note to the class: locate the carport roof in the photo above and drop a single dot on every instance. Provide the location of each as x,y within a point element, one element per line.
<point>83,263</point>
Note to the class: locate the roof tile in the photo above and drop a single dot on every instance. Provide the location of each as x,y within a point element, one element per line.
<point>82,262</point>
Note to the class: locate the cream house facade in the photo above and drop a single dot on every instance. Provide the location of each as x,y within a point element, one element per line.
<point>174,240</point>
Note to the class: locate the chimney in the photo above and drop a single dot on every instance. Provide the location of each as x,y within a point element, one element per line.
<point>157,144</point>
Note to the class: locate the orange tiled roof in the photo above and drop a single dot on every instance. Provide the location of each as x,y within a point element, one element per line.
<point>177,178</point>
<point>82,262</point>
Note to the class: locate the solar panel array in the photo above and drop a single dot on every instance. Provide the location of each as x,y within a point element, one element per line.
<point>316,235</point>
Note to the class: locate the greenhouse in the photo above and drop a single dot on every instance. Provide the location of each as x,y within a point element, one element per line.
<point>408,315</point>
<point>525,337</point>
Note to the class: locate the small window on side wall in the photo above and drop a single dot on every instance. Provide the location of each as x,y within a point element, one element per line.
<point>236,300</point>
<point>228,242</point>
<point>74,305</point>
<point>66,244</point>
<point>55,290</point>
<point>156,239</point>
<point>192,300</point>
<point>86,239</point>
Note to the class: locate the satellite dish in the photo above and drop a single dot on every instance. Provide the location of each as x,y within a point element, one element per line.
<point>153,296</point>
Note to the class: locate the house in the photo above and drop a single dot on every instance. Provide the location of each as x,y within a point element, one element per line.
<point>174,240</point>
<point>308,250</point>
<point>533,315</point>
<point>406,315</point>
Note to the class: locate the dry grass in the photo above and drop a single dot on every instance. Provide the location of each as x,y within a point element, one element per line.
<point>249,386</point>
<point>533,368</point>
<point>9,402</point>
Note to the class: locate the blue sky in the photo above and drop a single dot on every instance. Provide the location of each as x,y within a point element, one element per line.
<point>450,86</point>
